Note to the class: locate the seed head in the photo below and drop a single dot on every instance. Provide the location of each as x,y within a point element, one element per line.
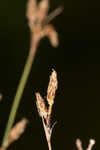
<point>42,110</point>
<point>31,10</point>
<point>16,132</point>
<point>52,87</point>
<point>43,9</point>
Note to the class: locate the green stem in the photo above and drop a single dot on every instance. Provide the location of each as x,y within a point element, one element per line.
<point>20,88</point>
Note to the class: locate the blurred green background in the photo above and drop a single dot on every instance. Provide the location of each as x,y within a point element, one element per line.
<point>77,62</point>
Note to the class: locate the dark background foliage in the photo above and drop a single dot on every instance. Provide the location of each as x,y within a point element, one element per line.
<point>77,62</point>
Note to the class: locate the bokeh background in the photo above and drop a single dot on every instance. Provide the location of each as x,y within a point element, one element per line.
<point>77,62</point>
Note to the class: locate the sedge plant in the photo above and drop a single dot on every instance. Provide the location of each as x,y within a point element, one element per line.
<point>40,27</point>
<point>38,22</point>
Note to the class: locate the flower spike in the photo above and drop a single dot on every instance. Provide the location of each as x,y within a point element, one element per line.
<point>45,112</point>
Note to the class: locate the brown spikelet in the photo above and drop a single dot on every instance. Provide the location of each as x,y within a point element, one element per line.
<point>38,19</point>
<point>42,110</point>
<point>18,129</point>
<point>16,132</point>
<point>52,87</point>
<point>31,14</point>
<point>43,9</point>
<point>31,9</point>
<point>45,112</point>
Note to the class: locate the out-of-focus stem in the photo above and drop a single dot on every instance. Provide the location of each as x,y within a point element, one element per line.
<point>53,14</point>
<point>21,86</point>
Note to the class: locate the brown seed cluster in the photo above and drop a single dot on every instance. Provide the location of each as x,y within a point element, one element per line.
<point>44,111</point>
<point>52,87</point>
<point>15,133</point>
<point>37,15</point>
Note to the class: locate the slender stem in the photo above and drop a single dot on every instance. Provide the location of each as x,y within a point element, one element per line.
<point>47,134</point>
<point>49,145</point>
<point>20,89</point>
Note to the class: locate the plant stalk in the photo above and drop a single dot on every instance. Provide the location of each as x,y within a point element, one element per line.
<point>21,86</point>
<point>49,145</point>
<point>47,134</point>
